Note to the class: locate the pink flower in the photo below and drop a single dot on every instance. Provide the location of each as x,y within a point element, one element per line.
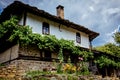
<point>80,58</point>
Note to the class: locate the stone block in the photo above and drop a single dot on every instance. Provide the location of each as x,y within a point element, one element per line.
<point>9,70</point>
<point>14,71</point>
<point>6,73</point>
<point>3,69</point>
<point>11,75</point>
<point>0,71</point>
<point>2,76</point>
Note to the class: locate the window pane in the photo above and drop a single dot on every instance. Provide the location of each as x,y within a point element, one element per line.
<point>78,39</point>
<point>45,28</point>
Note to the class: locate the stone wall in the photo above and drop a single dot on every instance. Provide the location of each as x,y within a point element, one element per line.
<point>8,71</point>
<point>31,65</point>
<point>18,68</point>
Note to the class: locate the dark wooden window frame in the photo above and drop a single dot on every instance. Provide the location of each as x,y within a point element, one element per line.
<point>45,28</point>
<point>78,38</point>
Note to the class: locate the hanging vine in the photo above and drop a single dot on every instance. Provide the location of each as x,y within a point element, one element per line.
<point>24,36</point>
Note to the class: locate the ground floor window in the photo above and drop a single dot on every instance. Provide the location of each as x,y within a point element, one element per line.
<point>47,56</point>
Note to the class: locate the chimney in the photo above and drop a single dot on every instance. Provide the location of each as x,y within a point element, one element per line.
<point>60,11</point>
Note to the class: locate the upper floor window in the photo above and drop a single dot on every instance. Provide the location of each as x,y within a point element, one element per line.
<point>45,28</point>
<point>78,38</point>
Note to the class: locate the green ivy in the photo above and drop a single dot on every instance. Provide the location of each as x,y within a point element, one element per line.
<point>24,36</point>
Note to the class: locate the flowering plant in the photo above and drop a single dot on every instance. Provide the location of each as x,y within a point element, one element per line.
<point>80,58</point>
<point>69,68</point>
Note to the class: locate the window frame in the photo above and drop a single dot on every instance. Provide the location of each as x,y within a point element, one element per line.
<point>78,37</point>
<point>45,26</point>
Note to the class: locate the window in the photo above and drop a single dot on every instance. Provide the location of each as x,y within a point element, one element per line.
<point>78,38</point>
<point>47,56</point>
<point>45,28</point>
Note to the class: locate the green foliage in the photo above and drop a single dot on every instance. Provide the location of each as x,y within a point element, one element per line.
<point>110,48</point>
<point>21,35</point>
<point>34,75</point>
<point>8,26</point>
<point>118,64</point>
<point>83,69</point>
<point>24,36</point>
<point>50,42</point>
<point>104,61</point>
<point>71,77</point>
<point>60,55</point>
<point>1,65</point>
<point>117,37</point>
<point>67,44</point>
<point>86,55</point>
<point>4,78</point>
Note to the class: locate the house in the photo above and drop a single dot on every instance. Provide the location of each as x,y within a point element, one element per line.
<point>44,24</point>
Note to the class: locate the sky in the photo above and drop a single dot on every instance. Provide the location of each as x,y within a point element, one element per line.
<point>102,16</point>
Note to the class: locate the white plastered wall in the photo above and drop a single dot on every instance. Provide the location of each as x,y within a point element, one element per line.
<point>60,31</point>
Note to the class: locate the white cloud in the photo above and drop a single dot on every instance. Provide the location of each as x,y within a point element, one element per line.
<point>96,1</point>
<point>91,8</point>
<point>111,34</point>
<point>84,16</point>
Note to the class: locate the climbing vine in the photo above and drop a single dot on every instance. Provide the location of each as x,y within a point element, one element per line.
<point>24,36</point>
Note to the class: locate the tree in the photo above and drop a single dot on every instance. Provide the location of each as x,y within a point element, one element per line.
<point>104,61</point>
<point>117,38</point>
<point>110,48</point>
